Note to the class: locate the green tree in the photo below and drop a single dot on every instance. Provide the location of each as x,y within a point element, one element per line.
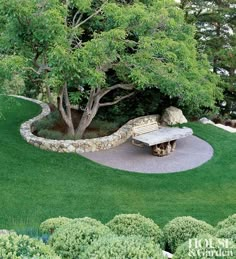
<point>86,50</point>
<point>216,24</point>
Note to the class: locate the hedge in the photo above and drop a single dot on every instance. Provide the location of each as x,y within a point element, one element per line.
<point>136,224</point>
<point>13,246</point>
<point>121,247</point>
<point>181,229</point>
<point>71,239</point>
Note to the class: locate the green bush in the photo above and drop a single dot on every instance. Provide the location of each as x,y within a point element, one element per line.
<point>15,246</point>
<point>121,247</point>
<point>211,247</point>
<point>104,125</point>
<point>47,122</point>
<point>100,128</point>
<point>181,229</point>
<point>136,224</point>
<point>90,135</point>
<point>90,221</point>
<point>227,233</point>
<point>71,239</point>
<point>50,134</point>
<point>50,225</point>
<point>228,222</point>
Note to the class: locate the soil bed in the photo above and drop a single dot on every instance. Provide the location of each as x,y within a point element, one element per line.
<point>53,126</point>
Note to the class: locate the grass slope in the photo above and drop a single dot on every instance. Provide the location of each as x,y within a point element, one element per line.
<point>37,184</point>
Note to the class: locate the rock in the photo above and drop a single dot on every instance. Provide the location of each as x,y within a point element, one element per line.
<point>71,148</point>
<point>204,120</point>
<point>172,116</point>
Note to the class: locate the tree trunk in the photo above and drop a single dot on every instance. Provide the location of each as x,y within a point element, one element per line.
<point>215,57</point>
<point>85,121</point>
<point>215,64</point>
<point>70,130</point>
<point>65,110</point>
<point>94,104</point>
<point>49,94</point>
<point>89,112</point>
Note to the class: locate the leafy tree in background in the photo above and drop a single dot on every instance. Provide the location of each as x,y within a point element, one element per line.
<point>216,24</point>
<point>98,53</point>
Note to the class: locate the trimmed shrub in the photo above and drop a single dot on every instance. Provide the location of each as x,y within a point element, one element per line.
<point>123,247</point>
<point>181,229</point>
<point>90,135</point>
<point>228,222</point>
<point>136,224</point>
<point>71,239</point>
<point>227,233</point>
<point>50,225</point>
<point>211,247</point>
<point>47,122</point>
<point>50,134</point>
<point>90,221</point>
<point>13,246</point>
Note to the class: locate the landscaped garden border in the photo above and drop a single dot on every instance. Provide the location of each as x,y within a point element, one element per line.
<point>38,184</point>
<point>83,145</point>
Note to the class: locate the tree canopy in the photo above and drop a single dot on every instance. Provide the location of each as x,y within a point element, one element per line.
<point>216,24</point>
<point>85,50</point>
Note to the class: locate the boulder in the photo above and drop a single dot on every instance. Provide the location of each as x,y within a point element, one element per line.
<point>204,120</point>
<point>172,116</point>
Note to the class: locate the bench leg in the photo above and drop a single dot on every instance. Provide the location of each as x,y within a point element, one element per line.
<point>162,149</point>
<point>173,145</point>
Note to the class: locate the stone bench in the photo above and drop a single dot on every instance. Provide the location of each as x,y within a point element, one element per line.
<point>161,140</point>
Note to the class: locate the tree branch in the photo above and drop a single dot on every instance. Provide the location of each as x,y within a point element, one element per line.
<point>91,99</point>
<point>89,17</point>
<point>41,68</point>
<point>67,101</point>
<point>60,105</point>
<point>74,18</point>
<point>30,68</point>
<point>105,91</point>
<point>78,43</point>
<point>116,101</point>
<point>36,58</point>
<point>74,22</point>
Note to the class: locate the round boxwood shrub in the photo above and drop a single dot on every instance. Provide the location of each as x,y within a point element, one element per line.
<point>90,221</point>
<point>71,239</point>
<point>211,247</point>
<point>227,233</point>
<point>228,222</point>
<point>136,224</point>
<point>181,229</point>
<point>123,247</point>
<point>13,246</point>
<point>48,226</point>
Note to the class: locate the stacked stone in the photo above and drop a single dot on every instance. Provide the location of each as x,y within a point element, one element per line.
<point>82,145</point>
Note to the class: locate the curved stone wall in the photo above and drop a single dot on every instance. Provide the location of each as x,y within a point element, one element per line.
<point>83,145</point>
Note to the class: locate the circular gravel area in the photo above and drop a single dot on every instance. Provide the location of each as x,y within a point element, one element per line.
<point>190,152</point>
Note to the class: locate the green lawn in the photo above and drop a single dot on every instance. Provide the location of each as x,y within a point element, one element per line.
<point>37,184</point>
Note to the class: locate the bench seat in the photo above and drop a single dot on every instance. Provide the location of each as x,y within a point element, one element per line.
<point>163,135</point>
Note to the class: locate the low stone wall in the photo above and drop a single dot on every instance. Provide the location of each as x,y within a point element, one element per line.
<point>83,145</point>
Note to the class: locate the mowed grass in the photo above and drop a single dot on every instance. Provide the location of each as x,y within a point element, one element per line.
<point>37,184</point>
